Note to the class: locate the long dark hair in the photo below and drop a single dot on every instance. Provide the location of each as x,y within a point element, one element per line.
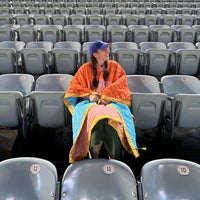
<point>105,72</point>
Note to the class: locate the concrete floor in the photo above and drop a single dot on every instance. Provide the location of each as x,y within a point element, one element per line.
<point>54,145</point>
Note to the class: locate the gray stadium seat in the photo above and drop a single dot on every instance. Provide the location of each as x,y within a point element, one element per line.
<point>77,19</point>
<point>183,33</point>
<point>157,60</point>
<point>6,34</point>
<point>14,105</point>
<point>59,19</point>
<point>130,19</point>
<point>6,19</point>
<point>146,100</point>
<point>138,33</point>
<point>73,33</point>
<point>47,100</point>
<point>85,52</point>
<point>161,33</point>
<point>170,179</point>
<point>112,19</point>
<point>66,57</point>
<point>95,19</point>
<point>28,178</point>
<point>51,33</point>
<point>106,179</point>
<point>94,32</point>
<point>40,19</point>
<point>117,33</point>
<point>27,34</point>
<point>22,19</point>
<point>127,55</point>
<point>186,58</point>
<point>185,93</point>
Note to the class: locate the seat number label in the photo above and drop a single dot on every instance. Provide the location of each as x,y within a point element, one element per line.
<point>183,170</point>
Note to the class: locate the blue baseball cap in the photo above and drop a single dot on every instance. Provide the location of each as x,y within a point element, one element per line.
<point>95,46</point>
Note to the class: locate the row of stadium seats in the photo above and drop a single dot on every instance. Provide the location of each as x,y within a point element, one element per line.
<point>103,3</point>
<point>99,19</point>
<point>99,179</point>
<point>110,33</point>
<point>153,58</point>
<point>171,102</point>
<point>71,9</point>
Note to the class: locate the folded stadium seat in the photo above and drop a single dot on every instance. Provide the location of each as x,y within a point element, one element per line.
<point>185,11</point>
<point>33,10</point>
<point>22,19</point>
<point>184,91</point>
<point>80,11</point>
<point>51,33</point>
<point>138,33</point>
<point>183,33</point>
<point>8,61</point>
<point>155,11</point>
<point>146,101</point>
<point>121,4</point>
<point>148,20</point>
<point>59,19</point>
<point>35,60</point>
<point>85,52</point>
<point>109,10</point>
<point>47,100</point>
<point>40,19</point>
<point>14,101</point>
<point>7,33</point>
<point>185,19</point>
<point>139,11</point>
<point>161,33</point>
<point>108,4</point>
<point>6,10</point>
<point>186,57</point>
<point>95,11</point>
<point>49,11</point>
<point>197,37</point>
<point>73,33</point>
<point>40,44</point>
<point>171,11</point>
<point>168,179</point>
<point>95,19</point>
<point>82,4</point>
<point>117,33</point>
<point>65,10</point>
<point>28,178</point>
<point>134,4</point>
<point>19,10</point>
<point>70,4</point>
<point>106,179</point>
<point>157,60</point>
<point>167,19</point>
<point>77,19</point>
<point>28,33</point>
<point>130,19</point>
<point>124,10</point>
<point>112,19</point>
<point>95,4</point>
<point>127,55</point>
<point>66,57</point>
<point>6,19</point>
<point>94,32</point>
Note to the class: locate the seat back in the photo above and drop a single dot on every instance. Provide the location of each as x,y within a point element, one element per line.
<point>47,100</point>
<point>169,178</point>
<point>127,55</point>
<point>146,100</point>
<point>106,179</point>
<point>37,177</point>
<point>13,87</point>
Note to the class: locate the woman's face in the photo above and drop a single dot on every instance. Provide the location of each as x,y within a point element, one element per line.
<point>102,55</point>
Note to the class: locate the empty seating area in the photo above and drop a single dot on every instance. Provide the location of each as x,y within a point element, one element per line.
<point>42,45</point>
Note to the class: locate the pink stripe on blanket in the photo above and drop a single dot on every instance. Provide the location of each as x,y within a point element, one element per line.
<point>94,111</point>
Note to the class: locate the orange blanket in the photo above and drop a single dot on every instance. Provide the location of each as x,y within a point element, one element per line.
<point>114,89</point>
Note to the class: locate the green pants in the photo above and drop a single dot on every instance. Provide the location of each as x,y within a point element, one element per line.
<point>104,134</point>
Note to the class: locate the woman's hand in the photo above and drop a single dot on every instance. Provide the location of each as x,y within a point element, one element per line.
<point>94,98</point>
<point>104,102</point>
